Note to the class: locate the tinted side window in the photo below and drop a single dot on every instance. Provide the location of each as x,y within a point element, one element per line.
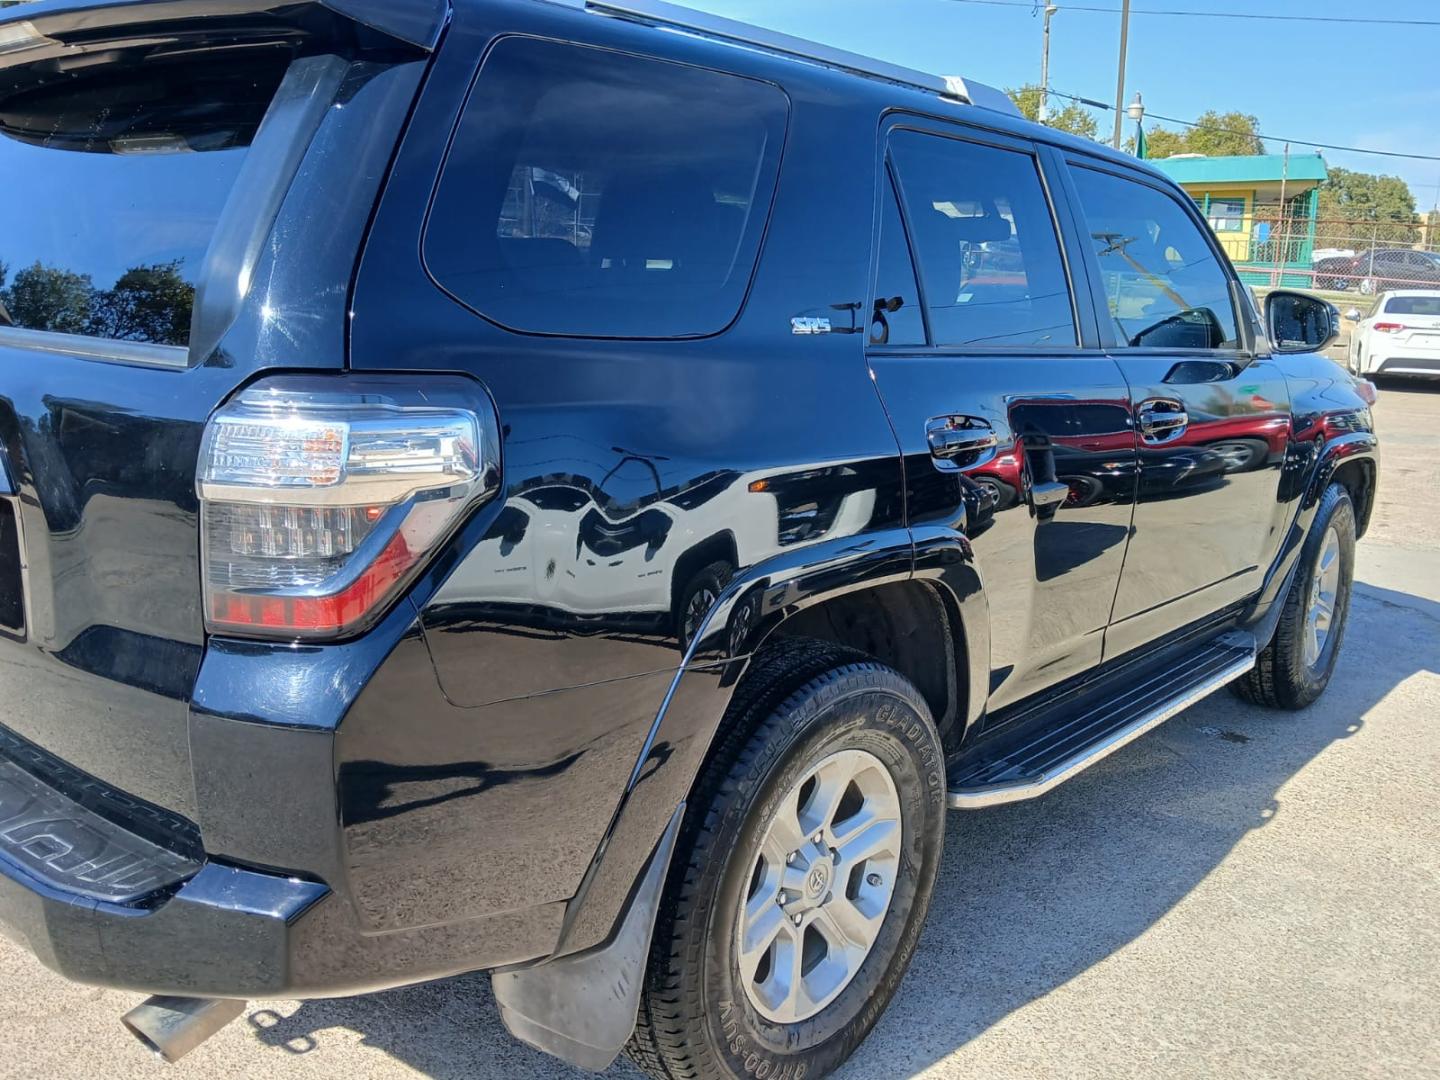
<point>985,242</point>
<point>600,194</point>
<point>895,317</point>
<point>1164,286</point>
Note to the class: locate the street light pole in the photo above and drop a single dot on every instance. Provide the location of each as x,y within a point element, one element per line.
<point>1120,77</point>
<point>1043,113</point>
<point>1136,111</point>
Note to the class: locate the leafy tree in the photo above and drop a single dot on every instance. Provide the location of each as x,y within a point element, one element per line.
<point>1214,135</point>
<point>148,303</point>
<point>45,298</point>
<point>1356,207</point>
<point>1071,116</point>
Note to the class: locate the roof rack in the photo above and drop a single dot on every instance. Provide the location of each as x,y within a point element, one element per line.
<point>675,16</point>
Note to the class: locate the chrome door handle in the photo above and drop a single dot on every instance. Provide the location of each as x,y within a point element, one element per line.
<point>1162,421</point>
<point>952,437</point>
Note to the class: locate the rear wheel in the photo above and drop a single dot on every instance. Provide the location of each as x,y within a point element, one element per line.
<point>1294,669</point>
<point>809,852</point>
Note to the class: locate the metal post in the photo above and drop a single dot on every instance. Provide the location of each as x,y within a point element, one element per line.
<point>1280,239</point>
<point>1120,76</point>
<point>1043,113</point>
<point>1374,239</point>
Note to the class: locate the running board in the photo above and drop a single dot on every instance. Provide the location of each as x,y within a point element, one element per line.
<point>1028,766</point>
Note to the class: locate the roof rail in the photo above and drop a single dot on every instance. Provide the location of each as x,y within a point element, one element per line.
<point>675,16</point>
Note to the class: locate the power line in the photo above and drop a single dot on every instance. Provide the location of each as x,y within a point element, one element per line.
<point>1256,134</point>
<point>1214,14</point>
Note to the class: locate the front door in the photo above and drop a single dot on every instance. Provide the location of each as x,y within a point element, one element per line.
<point>1015,426</point>
<point>1212,422</point>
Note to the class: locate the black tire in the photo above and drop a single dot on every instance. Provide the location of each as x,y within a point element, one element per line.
<point>803,701</point>
<point>1281,678</point>
<point>698,596</point>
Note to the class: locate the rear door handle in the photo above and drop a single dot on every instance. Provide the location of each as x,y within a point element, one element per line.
<point>1162,420</point>
<point>963,441</point>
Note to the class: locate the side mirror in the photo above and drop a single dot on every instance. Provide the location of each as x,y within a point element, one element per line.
<point>1354,314</point>
<point>1299,323</point>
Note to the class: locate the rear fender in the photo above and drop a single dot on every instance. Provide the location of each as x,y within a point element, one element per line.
<point>753,606</point>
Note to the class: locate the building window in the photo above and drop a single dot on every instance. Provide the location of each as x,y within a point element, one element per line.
<point>1227,215</point>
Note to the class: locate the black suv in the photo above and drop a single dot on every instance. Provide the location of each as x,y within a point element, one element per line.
<point>577,490</point>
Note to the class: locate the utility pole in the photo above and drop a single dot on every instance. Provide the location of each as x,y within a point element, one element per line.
<point>1043,114</point>
<point>1120,77</point>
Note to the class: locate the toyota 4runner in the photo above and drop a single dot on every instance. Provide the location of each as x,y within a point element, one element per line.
<point>576,489</point>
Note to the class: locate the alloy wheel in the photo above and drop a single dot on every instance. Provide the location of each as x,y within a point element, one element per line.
<point>820,887</point>
<point>1324,589</point>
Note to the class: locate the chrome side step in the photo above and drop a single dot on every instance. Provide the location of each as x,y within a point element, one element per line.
<point>1031,766</point>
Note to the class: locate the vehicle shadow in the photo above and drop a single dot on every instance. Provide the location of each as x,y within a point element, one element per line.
<point>1029,896</point>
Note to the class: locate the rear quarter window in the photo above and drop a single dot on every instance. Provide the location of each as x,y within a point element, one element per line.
<point>594,193</point>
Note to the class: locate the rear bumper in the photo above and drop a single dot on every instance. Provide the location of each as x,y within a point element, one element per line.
<point>226,932</point>
<point>1409,365</point>
<point>110,892</point>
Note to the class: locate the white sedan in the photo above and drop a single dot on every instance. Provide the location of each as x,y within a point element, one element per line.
<point>1401,336</point>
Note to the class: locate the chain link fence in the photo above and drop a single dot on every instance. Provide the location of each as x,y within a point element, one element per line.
<point>1287,247</point>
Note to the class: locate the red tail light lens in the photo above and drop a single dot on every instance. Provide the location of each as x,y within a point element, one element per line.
<point>321,498</point>
<point>1388,327</point>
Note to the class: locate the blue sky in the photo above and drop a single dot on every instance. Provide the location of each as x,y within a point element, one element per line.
<point>1371,86</point>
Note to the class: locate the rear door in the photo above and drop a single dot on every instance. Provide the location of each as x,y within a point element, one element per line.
<point>1015,426</point>
<point>1212,420</point>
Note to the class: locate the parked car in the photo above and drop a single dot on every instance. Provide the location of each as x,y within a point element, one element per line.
<point>578,491</point>
<point>1377,269</point>
<point>1400,337</point>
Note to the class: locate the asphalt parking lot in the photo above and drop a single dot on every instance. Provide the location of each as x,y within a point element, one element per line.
<point>1239,894</point>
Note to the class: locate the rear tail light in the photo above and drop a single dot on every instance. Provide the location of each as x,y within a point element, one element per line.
<point>322,498</point>
<point>1389,327</point>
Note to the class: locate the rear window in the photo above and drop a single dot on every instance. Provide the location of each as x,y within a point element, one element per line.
<point>593,193</point>
<point>986,244</point>
<point>1413,305</point>
<point>114,181</point>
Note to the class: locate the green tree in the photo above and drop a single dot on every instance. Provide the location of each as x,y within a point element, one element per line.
<point>148,303</point>
<point>1070,116</point>
<point>1356,208</point>
<point>45,298</point>
<point>1214,135</point>
<point>1162,142</point>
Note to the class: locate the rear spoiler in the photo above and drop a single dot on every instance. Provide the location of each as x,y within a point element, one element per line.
<point>51,29</point>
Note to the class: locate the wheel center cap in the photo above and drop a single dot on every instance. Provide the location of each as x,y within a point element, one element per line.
<point>817,880</point>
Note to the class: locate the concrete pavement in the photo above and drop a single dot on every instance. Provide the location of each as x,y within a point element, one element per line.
<point>1239,894</point>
